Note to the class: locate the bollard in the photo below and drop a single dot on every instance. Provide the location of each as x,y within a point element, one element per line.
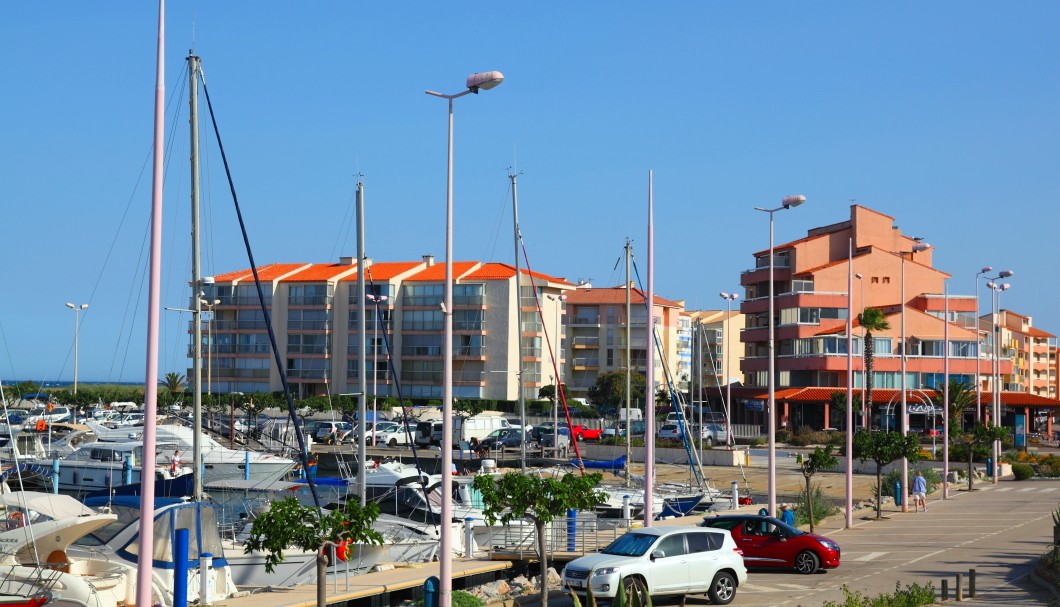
<point>971,583</point>
<point>127,468</point>
<point>990,467</point>
<point>572,529</point>
<point>897,493</point>
<point>957,593</point>
<point>945,590</point>
<point>430,591</point>
<point>205,564</point>
<point>55,476</point>
<point>469,538</point>
<point>735,496</point>
<point>627,512</point>
<point>180,568</point>
<point>246,465</point>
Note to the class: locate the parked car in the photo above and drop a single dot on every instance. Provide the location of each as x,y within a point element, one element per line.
<point>670,431</point>
<point>390,433</point>
<point>552,440</point>
<point>768,542</point>
<point>661,561</point>
<point>332,432</point>
<point>542,429</point>
<point>505,437</point>
<point>637,427</point>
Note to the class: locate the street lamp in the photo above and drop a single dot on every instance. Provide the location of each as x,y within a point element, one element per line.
<point>786,203</point>
<point>864,406</point>
<point>77,327</point>
<point>375,299</point>
<point>904,427</point>
<point>995,375</point>
<point>475,82</point>
<point>978,342</point>
<point>209,344</point>
<point>559,299</point>
<point>729,298</point>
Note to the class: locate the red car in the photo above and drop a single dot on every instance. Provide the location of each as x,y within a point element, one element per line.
<point>582,433</point>
<point>768,542</point>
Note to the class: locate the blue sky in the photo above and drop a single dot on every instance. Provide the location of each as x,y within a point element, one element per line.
<point>944,115</point>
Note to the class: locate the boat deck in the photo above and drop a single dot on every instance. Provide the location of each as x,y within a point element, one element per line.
<point>380,588</point>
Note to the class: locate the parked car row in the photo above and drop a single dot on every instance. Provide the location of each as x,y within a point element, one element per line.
<point>710,559</point>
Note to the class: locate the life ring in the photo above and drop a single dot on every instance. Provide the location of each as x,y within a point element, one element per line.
<point>41,425</point>
<point>375,463</point>
<point>17,518</point>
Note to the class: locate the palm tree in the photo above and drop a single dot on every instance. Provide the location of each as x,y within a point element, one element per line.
<point>872,319</point>
<point>174,382</point>
<point>962,396</point>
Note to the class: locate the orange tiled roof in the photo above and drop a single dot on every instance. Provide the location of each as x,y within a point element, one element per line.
<point>503,271</point>
<point>266,272</point>
<point>614,295</point>
<point>384,270</point>
<point>319,272</point>
<point>436,273</point>
<point>788,245</point>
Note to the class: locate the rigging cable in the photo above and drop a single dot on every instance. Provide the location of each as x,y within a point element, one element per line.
<point>303,450</point>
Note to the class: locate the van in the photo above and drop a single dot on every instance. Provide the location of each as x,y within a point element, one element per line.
<point>429,433</point>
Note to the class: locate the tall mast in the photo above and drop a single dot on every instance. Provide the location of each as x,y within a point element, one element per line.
<point>629,371</point>
<point>194,65</point>
<point>362,381</point>
<point>649,375</point>
<point>519,331</point>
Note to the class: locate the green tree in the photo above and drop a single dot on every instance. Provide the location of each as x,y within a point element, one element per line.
<point>872,320</point>
<point>173,382</point>
<point>610,389</point>
<point>838,406</point>
<point>962,397</point>
<point>821,458</point>
<point>549,391</point>
<point>288,523</point>
<point>978,436</point>
<point>540,499</point>
<point>884,448</point>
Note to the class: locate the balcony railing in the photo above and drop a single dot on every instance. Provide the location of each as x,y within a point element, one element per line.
<point>307,325</point>
<point>421,376</point>
<point>308,300</point>
<point>306,373</point>
<point>241,373</point>
<point>585,320</point>
<point>293,349</point>
<point>586,342</point>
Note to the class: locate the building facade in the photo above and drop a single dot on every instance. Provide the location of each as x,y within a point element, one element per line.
<point>714,365</point>
<point>315,310</point>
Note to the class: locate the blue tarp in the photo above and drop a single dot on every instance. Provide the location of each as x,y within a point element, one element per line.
<point>618,463</point>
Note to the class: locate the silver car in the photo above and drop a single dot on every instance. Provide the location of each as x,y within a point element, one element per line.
<point>661,561</point>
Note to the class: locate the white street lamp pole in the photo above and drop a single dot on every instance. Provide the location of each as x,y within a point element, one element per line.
<point>376,300</point>
<point>904,419</point>
<point>864,406</point>
<point>559,299</point>
<point>77,331</point>
<point>729,298</point>
<point>978,345</point>
<point>995,373</point>
<point>475,82</point>
<point>209,344</point>
<point>771,414</point>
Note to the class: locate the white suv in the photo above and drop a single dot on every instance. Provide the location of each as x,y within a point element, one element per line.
<point>660,561</point>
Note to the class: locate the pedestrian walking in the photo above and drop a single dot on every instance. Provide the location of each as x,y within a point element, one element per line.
<point>919,487</point>
<point>787,515</point>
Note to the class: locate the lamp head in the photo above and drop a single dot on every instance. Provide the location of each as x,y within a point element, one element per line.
<point>986,269</point>
<point>858,276</point>
<point>70,305</point>
<point>1004,287</point>
<point>920,246</point>
<point>484,81</point>
<point>793,201</point>
<point>723,295</point>
<point>84,306</point>
<point>991,285</point>
<point>1005,273</point>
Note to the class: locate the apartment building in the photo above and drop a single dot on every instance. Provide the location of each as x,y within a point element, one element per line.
<point>315,310</point>
<point>1032,351</point>
<point>714,365</point>
<point>811,307</point>
<point>602,329</point>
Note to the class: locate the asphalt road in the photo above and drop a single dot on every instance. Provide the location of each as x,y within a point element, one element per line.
<point>1001,531</point>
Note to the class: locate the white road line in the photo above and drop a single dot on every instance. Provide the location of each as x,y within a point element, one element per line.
<point>1048,489</point>
<point>1027,489</point>
<point>1003,489</point>
<point>870,556</point>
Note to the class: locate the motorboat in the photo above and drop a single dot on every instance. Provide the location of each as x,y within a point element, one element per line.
<point>101,465</point>
<point>117,544</point>
<point>219,462</point>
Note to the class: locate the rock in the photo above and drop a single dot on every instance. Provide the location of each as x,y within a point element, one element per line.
<point>492,590</point>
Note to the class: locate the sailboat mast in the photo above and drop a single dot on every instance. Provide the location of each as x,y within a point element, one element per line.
<point>519,331</point>
<point>649,376</point>
<point>629,371</point>
<point>194,65</point>
<point>362,328</point>
<point>147,493</point>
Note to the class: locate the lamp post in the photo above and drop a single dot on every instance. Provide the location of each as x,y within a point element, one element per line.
<point>786,203</point>
<point>209,344</point>
<point>77,331</point>
<point>376,300</point>
<point>995,375</point>
<point>559,299</point>
<point>864,409</point>
<point>729,298</point>
<point>978,342</point>
<point>475,83</point>
<point>904,418</point>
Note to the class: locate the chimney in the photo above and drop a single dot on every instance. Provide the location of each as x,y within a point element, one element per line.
<point>346,261</point>
<point>429,260</point>
<point>367,263</point>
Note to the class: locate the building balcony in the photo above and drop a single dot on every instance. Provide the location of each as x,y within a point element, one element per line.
<point>583,321</point>
<point>585,342</point>
<point>761,275</point>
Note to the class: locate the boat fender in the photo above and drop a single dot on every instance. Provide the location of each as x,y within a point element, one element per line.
<point>41,425</point>
<point>375,463</point>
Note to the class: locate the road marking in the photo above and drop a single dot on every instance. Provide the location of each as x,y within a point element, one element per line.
<point>1048,489</point>
<point>870,556</point>
<point>1003,489</point>
<point>1027,489</point>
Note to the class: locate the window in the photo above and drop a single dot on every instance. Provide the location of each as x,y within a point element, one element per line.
<point>703,542</point>
<point>673,545</point>
<point>308,320</point>
<point>423,295</point>
<point>421,345</point>
<point>422,320</point>
<point>468,295</point>
<point>309,295</point>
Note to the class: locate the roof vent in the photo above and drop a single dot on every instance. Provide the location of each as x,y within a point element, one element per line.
<point>346,261</point>
<point>429,260</point>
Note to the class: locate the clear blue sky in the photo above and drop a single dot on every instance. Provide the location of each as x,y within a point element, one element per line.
<point>944,115</point>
